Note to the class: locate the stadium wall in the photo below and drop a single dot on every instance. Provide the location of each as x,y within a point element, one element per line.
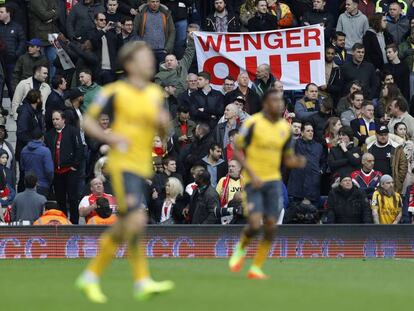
<point>292,241</point>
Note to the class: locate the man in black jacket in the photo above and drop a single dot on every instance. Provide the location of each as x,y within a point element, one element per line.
<point>204,201</point>
<point>319,15</point>
<point>207,104</point>
<point>66,147</point>
<point>333,84</point>
<point>221,20</point>
<point>14,38</point>
<point>55,100</point>
<point>105,44</point>
<point>263,20</point>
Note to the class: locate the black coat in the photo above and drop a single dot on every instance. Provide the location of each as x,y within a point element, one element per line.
<point>344,162</point>
<point>114,43</point>
<point>401,74</point>
<point>233,23</point>
<point>364,72</point>
<point>213,104</point>
<point>262,22</point>
<point>155,209</point>
<point>317,17</point>
<point>373,52</point>
<point>202,205</point>
<point>54,102</point>
<point>14,37</point>
<point>253,103</point>
<point>319,122</point>
<point>219,132</point>
<point>71,148</point>
<point>28,119</point>
<point>348,207</point>
<point>196,151</point>
<point>80,21</point>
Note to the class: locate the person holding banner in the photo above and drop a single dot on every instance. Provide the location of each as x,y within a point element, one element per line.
<point>266,141</point>
<point>263,20</point>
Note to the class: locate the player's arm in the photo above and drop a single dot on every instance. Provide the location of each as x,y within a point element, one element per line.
<point>290,159</point>
<point>243,140</point>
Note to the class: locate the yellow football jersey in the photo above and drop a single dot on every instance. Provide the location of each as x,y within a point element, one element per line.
<point>387,211</point>
<point>265,143</point>
<point>134,115</point>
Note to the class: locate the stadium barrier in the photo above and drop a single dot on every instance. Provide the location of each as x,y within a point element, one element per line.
<point>292,241</point>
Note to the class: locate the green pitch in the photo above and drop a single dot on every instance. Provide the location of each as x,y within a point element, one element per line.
<point>350,285</point>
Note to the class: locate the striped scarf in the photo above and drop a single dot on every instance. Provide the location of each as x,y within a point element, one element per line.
<point>363,129</point>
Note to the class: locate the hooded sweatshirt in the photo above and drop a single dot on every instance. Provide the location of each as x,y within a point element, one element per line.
<point>354,26</point>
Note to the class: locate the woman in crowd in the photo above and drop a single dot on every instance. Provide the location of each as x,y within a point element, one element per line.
<point>331,137</point>
<point>285,18</point>
<point>388,93</point>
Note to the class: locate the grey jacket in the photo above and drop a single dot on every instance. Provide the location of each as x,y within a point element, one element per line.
<point>398,28</point>
<point>354,26</point>
<point>28,205</point>
<point>347,116</point>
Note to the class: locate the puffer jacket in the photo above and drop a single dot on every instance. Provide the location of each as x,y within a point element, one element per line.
<point>43,15</point>
<point>15,39</point>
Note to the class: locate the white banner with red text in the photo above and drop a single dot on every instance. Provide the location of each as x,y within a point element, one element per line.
<point>296,56</point>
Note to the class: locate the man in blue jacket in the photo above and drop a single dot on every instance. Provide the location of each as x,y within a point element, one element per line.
<point>36,157</point>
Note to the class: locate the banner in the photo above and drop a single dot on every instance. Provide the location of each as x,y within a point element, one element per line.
<point>296,56</point>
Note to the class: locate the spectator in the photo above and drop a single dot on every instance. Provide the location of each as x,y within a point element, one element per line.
<point>170,101</point>
<point>55,101</point>
<point>169,165</point>
<point>399,70</point>
<point>207,104</point>
<point>105,44</point>
<point>113,14</point>
<point>28,205</point>
<point>230,184</point>
<point>382,6</point>
<point>320,119</point>
<point>406,52</point>
<point>375,40</point>
<point>229,149</point>
<point>14,37</point>
<point>36,157</point>
<point>399,113</point>
<point>348,204</point>
<point>354,112</point>
<point>386,203</point>
<point>180,14</point>
<point>176,71</point>
<point>361,70</point>
<point>65,144</point>
<point>353,23</point>
<point>166,208</point>
<point>8,173</point>
<point>345,102</point>
<point>397,23</point>
<point>183,128</point>
<point>29,118</point>
<point>285,18</point>
<point>309,104</point>
<point>241,114</point>
<point>389,92</point>
<point>52,216</point>
<point>364,126</point>
<point>184,99</point>
<point>247,11</point>
<point>154,25</point>
<point>367,179</point>
<point>104,215</point>
<point>389,157</point>
<point>216,166</point>
<point>88,205</point>
<point>80,21</point>
<point>180,50</point>
<point>252,100</point>
<point>400,129</point>
<point>195,171</point>
<point>36,82</point>
<point>304,184</point>
<point>264,80</point>
<point>229,85</point>
<point>7,146</point>
<point>221,20</point>
<point>262,20</point>
<point>221,132</point>
<point>88,87</point>
<point>204,201</point>
<point>43,16</point>
<point>333,85</point>
<point>127,27</point>
<point>26,62</point>
<point>296,127</point>
<point>331,136</point>
<point>344,158</point>
<point>338,42</point>
<point>319,15</point>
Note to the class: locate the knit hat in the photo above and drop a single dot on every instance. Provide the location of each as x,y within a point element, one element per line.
<point>344,175</point>
<point>386,178</point>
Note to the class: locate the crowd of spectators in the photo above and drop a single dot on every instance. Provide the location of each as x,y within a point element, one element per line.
<point>355,131</point>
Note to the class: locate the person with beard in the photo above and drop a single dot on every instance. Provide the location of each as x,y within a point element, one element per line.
<point>262,20</point>
<point>230,184</point>
<point>215,164</point>
<point>338,42</point>
<point>345,157</point>
<point>296,128</point>
<point>319,119</point>
<point>345,102</point>
<point>170,102</point>
<point>309,104</point>
<point>183,128</point>
<point>386,203</point>
<point>221,20</point>
<point>389,157</point>
<point>319,15</point>
<point>304,183</point>
<point>367,178</point>
<point>354,112</point>
<point>333,79</point>
<point>347,204</point>
<point>365,125</point>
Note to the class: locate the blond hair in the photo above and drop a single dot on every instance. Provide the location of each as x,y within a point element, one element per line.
<point>176,188</point>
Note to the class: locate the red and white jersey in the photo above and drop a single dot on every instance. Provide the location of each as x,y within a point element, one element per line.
<point>91,199</point>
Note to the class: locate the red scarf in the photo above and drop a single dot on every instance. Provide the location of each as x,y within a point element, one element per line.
<point>411,199</point>
<point>225,192</point>
<point>159,151</point>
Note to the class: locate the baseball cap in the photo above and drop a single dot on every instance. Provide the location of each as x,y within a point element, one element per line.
<point>34,42</point>
<point>73,93</point>
<point>240,99</point>
<point>383,129</point>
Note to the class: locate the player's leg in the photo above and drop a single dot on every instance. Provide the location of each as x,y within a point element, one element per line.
<point>254,206</point>
<point>272,196</point>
